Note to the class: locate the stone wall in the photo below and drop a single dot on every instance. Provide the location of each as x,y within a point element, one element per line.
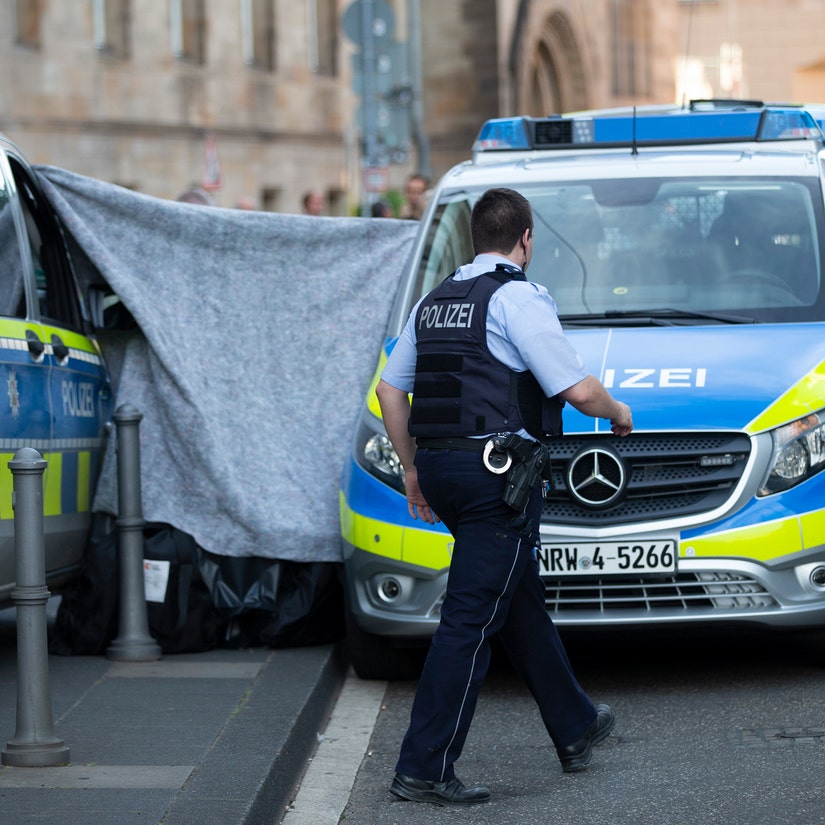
<point>145,121</point>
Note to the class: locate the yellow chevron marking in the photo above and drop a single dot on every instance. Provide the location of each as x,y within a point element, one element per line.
<point>806,396</point>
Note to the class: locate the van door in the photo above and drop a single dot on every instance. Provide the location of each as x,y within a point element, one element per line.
<point>25,399</point>
<point>78,394</point>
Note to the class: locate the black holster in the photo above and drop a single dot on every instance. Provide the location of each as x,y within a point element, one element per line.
<point>531,462</point>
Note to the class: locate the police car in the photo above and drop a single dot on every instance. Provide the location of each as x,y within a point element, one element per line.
<point>55,388</point>
<point>684,248</point>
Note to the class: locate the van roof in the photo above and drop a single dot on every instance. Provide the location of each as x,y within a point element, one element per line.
<point>518,170</point>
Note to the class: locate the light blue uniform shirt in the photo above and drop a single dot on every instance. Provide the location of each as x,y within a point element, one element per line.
<point>523,332</point>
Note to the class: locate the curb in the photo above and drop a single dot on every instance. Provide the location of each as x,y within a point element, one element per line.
<point>253,768</point>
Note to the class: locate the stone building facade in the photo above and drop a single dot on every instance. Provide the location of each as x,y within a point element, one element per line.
<point>255,98</point>
<point>759,49</point>
<point>490,58</point>
<point>157,94</point>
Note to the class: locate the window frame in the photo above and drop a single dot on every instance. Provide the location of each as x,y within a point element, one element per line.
<point>112,23</point>
<point>188,30</point>
<point>28,19</point>
<point>258,34</point>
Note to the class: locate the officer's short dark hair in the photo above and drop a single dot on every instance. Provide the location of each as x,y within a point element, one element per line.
<point>499,219</point>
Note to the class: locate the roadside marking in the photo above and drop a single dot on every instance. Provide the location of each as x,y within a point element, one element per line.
<point>326,786</point>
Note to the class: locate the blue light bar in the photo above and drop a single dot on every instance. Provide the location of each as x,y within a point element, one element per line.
<point>687,126</point>
<point>503,133</point>
<point>817,112</point>
<point>789,124</point>
<point>682,126</point>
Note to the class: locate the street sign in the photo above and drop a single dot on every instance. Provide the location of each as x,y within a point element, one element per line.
<point>379,70</point>
<point>212,175</point>
<point>383,21</point>
<point>382,70</point>
<point>376,179</point>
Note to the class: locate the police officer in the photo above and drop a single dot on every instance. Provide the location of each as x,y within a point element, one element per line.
<point>484,354</point>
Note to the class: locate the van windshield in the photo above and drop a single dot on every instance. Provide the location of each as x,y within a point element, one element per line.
<point>680,250</point>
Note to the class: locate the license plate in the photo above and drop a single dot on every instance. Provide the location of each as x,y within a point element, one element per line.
<point>608,558</point>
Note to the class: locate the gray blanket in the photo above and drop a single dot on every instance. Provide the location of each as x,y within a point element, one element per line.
<point>258,336</point>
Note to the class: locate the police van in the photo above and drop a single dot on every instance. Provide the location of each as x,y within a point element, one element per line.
<point>56,393</point>
<point>684,249</point>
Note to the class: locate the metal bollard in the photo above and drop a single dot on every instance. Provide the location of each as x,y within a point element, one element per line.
<point>133,643</point>
<point>34,744</point>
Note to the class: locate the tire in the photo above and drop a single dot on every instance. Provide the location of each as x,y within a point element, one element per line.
<point>376,657</point>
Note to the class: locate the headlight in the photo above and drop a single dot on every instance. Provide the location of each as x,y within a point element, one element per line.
<point>798,453</point>
<point>375,453</point>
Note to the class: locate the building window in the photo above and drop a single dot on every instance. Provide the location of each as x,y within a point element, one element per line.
<point>258,26</point>
<point>189,30</point>
<point>624,55</point>
<point>28,16</point>
<point>324,36</point>
<point>111,26</point>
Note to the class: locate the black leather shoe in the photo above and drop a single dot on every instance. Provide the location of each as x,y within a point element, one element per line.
<point>576,756</point>
<point>440,793</point>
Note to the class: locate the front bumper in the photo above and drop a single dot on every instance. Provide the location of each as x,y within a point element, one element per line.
<point>723,591</point>
<point>751,560</point>
<point>411,611</point>
<point>704,590</point>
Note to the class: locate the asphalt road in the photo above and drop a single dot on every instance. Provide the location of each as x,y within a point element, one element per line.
<point>709,730</point>
<point>726,730</point>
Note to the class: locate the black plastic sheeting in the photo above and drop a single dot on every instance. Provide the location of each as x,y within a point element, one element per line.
<point>210,601</point>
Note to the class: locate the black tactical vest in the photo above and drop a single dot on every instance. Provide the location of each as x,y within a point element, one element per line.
<point>460,388</point>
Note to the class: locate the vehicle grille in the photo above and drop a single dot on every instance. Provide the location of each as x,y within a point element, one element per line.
<point>716,590</point>
<point>666,475</point>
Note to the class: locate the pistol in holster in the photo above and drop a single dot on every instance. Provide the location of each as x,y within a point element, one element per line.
<point>530,461</point>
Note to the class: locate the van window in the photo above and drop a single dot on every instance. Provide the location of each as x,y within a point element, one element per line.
<point>56,293</point>
<point>449,243</point>
<point>12,281</point>
<point>746,247</point>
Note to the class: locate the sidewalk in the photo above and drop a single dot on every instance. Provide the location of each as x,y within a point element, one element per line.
<point>215,738</point>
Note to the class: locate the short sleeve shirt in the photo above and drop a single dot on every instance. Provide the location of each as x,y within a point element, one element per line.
<point>523,332</point>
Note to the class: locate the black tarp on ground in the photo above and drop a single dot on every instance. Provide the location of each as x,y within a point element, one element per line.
<point>209,601</point>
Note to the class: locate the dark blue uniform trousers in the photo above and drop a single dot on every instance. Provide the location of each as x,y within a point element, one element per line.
<point>493,588</point>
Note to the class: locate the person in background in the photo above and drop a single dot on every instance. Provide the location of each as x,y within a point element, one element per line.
<point>314,202</point>
<point>198,195</point>
<point>415,196</point>
<point>381,209</point>
<point>487,388</point>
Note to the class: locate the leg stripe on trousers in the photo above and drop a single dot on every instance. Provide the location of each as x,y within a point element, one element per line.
<point>475,654</point>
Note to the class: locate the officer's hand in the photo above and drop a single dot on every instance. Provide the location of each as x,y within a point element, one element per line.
<point>622,423</point>
<point>416,503</point>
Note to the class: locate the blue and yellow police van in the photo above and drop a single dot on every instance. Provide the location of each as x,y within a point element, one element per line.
<point>56,394</point>
<point>684,248</point>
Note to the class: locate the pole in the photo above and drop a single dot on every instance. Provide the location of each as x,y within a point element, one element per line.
<point>34,744</point>
<point>419,134</point>
<point>368,99</point>
<point>133,643</point>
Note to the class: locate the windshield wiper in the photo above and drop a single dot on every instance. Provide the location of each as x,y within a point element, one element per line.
<point>653,317</point>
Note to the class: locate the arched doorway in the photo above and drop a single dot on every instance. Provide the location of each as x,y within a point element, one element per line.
<point>548,66</point>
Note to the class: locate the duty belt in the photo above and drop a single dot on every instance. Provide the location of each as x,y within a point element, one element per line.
<point>467,445</point>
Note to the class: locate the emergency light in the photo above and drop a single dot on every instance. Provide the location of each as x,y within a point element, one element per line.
<point>649,127</point>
